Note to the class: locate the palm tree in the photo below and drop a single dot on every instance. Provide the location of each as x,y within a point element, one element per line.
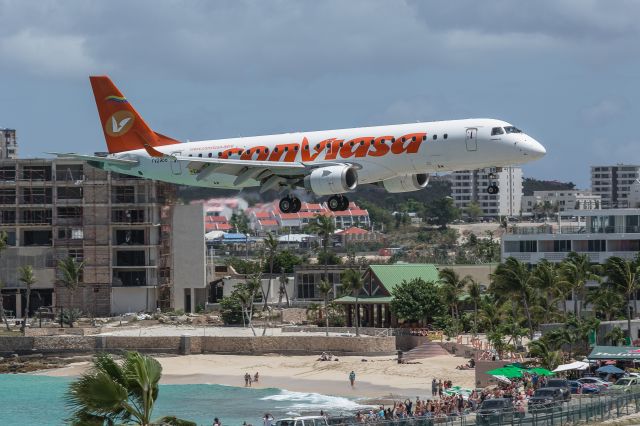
<point>575,271</point>
<point>513,279</point>
<point>27,278</point>
<point>353,283</point>
<point>624,275</point>
<point>283,289</point>
<point>475,293</point>
<point>546,278</point>
<point>324,227</point>
<point>607,302</point>
<point>3,246</point>
<point>616,335</point>
<point>548,358</point>
<point>112,393</point>
<point>71,278</point>
<point>271,244</point>
<point>490,313</point>
<point>325,288</point>
<point>453,288</point>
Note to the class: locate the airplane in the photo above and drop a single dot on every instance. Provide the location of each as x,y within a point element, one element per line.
<point>400,157</point>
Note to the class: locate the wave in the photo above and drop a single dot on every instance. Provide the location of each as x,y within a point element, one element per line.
<point>313,401</point>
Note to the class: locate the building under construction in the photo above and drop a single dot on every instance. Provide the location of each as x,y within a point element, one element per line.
<point>118,225</point>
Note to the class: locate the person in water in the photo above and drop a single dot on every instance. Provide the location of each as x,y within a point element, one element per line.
<point>352,378</point>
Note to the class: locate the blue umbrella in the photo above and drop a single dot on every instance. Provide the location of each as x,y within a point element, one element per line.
<point>610,369</point>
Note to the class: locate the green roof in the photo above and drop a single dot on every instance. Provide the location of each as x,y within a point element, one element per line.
<point>364,300</point>
<point>392,275</point>
<point>614,352</point>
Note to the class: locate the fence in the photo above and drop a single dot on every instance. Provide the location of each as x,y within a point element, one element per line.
<point>581,409</point>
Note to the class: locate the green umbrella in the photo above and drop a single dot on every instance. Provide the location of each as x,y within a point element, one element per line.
<point>508,372</point>
<point>541,371</point>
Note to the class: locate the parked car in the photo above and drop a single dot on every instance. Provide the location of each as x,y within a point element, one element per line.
<point>626,384</point>
<point>546,399</point>
<point>575,386</point>
<point>303,421</point>
<point>495,411</point>
<point>602,384</point>
<point>562,384</point>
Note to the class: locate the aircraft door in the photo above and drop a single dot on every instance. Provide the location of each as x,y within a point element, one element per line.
<point>176,166</point>
<point>472,139</point>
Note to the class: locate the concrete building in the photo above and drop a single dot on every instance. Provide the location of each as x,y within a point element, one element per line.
<point>471,186</point>
<point>634,194</point>
<point>52,209</point>
<point>8,144</point>
<point>604,233</point>
<point>559,201</point>
<point>613,184</point>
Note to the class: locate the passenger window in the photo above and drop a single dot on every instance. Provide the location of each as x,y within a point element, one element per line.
<point>435,137</point>
<point>497,131</point>
<point>210,155</point>
<point>445,136</point>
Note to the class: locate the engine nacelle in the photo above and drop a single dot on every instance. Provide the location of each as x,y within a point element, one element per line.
<point>406,183</point>
<point>331,180</point>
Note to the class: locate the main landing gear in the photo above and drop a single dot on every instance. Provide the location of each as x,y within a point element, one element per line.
<point>290,204</point>
<point>338,203</point>
<point>493,188</point>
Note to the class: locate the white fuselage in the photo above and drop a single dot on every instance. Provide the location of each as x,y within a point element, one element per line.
<point>379,153</point>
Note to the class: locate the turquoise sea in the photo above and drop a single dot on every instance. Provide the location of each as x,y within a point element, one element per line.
<point>37,400</point>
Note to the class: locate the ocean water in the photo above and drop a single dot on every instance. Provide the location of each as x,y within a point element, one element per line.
<point>38,400</point>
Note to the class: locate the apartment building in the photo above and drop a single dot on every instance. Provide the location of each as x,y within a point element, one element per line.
<point>118,225</point>
<point>601,234</point>
<point>613,184</point>
<point>471,186</point>
<point>559,201</point>
<point>8,144</point>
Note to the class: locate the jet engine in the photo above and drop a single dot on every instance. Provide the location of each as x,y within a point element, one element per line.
<point>406,183</point>
<point>331,180</point>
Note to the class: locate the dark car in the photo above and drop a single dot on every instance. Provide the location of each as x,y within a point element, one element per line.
<point>545,399</point>
<point>562,384</point>
<point>495,411</point>
<point>575,386</point>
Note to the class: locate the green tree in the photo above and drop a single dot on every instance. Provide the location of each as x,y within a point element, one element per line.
<point>475,293</point>
<point>71,277</point>
<point>285,261</point>
<point>112,393</point>
<point>283,289</point>
<point>231,310</point>
<point>473,210</point>
<point>271,245</point>
<point>616,336</point>
<point>575,271</point>
<point>453,287</point>
<point>352,282</point>
<point>239,222</point>
<point>325,288</point>
<point>416,300</point>
<point>28,279</point>
<point>624,275</point>
<point>548,358</point>
<point>513,279</point>
<point>443,211</point>
<point>607,303</point>
<point>324,227</point>
<point>3,316</point>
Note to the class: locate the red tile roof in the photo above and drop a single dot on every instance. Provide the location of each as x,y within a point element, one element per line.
<point>354,230</point>
<point>216,219</point>
<point>268,222</point>
<point>262,215</point>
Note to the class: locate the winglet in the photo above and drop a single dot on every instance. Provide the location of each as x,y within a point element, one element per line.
<point>124,129</point>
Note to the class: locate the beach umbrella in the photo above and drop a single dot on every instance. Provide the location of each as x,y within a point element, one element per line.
<point>502,379</point>
<point>610,369</point>
<point>508,372</point>
<point>541,371</point>
<point>578,365</point>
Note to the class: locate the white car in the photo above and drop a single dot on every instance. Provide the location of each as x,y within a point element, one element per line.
<point>303,421</point>
<point>603,384</point>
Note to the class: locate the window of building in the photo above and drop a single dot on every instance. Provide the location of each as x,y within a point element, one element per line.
<point>69,212</point>
<point>36,238</point>
<point>127,216</point>
<point>70,233</point>
<point>596,245</point>
<point>306,286</point>
<point>39,217</point>
<point>36,196</point>
<point>124,194</point>
<point>7,195</point>
<point>69,193</point>
<point>562,246</point>
<point>130,258</point>
<point>8,173</point>
<point>36,173</point>
<point>528,246</point>
<point>7,217</point>
<point>130,236</point>
<point>69,172</point>
<point>130,278</point>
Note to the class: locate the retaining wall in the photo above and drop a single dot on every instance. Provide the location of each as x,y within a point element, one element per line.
<point>200,344</point>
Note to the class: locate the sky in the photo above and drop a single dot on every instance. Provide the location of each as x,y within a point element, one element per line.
<point>564,71</point>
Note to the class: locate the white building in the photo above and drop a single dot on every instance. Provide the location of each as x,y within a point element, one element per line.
<point>471,186</point>
<point>613,184</point>
<point>634,194</point>
<point>563,200</point>
<point>602,234</point>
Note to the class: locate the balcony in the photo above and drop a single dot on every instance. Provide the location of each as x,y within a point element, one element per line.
<point>549,229</point>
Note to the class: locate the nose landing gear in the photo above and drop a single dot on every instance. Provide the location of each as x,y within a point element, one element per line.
<point>290,204</point>
<point>338,203</point>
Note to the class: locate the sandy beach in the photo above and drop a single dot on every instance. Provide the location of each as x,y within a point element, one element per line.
<point>378,377</point>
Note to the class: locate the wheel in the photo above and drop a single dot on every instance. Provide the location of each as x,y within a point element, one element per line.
<point>334,203</point>
<point>496,188</point>
<point>344,203</point>
<point>296,205</point>
<point>490,190</point>
<point>286,204</point>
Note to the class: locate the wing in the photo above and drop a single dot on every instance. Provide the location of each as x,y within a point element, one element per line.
<point>107,160</point>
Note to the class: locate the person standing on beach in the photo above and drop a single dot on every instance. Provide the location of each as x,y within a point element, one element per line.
<point>434,387</point>
<point>352,378</point>
<point>440,387</point>
<point>247,380</point>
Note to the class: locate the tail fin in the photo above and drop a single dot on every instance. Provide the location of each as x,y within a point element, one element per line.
<point>124,129</point>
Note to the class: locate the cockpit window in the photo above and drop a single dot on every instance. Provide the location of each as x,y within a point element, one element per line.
<point>512,129</point>
<point>496,131</point>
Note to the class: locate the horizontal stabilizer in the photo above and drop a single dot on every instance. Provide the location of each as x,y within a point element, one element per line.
<point>107,160</point>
